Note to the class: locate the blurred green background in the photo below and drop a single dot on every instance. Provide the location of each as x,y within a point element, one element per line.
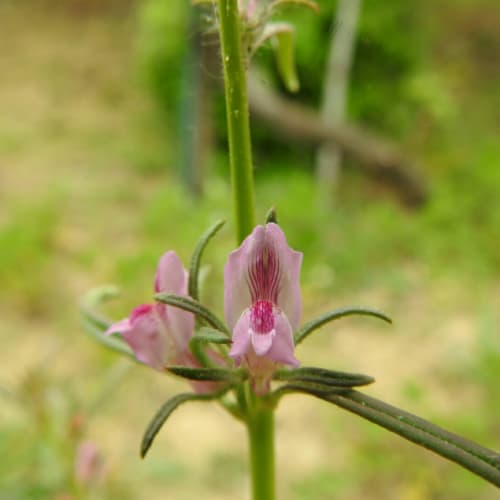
<point>93,110</point>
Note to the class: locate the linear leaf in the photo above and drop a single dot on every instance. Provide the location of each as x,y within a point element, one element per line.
<point>195,307</point>
<point>203,337</point>
<point>166,410</point>
<point>479,460</point>
<point>282,36</point>
<point>92,300</point>
<point>207,374</point>
<point>210,336</point>
<point>318,322</point>
<point>113,343</point>
<point>194,268</point>
<point>307,388</point>
<point>325,377</point>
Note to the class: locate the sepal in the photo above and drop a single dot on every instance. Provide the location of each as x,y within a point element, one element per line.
<point>271,216</point>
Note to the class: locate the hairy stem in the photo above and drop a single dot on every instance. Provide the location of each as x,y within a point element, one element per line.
<point>238,125</point>
<point>260,426</point>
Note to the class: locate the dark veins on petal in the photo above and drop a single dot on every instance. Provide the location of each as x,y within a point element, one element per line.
<point>264,275</point>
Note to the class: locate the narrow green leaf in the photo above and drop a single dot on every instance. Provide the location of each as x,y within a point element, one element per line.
<point>318,322</point>
<point>166,410</point>
<point>284,50</point>
<point>195,307</point>
<point>479,460</point>
<point>96,324</point>
<point>194,268</point>
<point>199,341</point>
<point>305,388</point>
<point>92,300</point>
<point>207,374</point>
<point>210,336</point>
<point>271,216</point>
<point>325,377</point>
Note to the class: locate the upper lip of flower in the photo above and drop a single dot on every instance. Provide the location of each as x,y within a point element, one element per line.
<point>262,295</point>
<point>264,276</point>
<point>264,267</point>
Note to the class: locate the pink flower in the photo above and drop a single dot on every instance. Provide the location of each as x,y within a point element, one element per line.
<point>262,302</point>
<point>159,334</point>
<point>88,463</point>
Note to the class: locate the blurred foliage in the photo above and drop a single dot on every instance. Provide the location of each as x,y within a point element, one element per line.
<point>162,48</point>
<point>42,443</point>
<point>425,74</point>
<point>27,242</point>
<point>399,86</point>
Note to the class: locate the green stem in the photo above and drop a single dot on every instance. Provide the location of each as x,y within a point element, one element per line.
<point>261,436</point>
<point>259,418</point>
<point>238,125</point>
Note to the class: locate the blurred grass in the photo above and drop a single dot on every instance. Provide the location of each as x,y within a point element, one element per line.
<point>90,195</point>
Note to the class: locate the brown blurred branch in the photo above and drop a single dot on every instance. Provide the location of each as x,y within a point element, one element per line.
<point>376,156</point>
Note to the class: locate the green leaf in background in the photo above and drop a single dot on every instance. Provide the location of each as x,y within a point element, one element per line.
<point>284,50</point>
<point>91,302</point>
<point>282,36</point>
<point>113,343</point>
<point>95,324</point>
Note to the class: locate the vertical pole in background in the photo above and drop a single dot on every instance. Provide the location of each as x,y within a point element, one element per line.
<point>329,157</point>
<point>195,109</point>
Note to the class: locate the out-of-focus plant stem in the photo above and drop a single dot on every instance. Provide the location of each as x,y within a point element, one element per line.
<point>238,125</point>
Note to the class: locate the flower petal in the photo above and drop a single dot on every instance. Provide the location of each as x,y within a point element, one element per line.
<point>290,261</point>
<point>146,338</point>
<point>236,291</point>
<point>171,277</point>
<point>282,347</point>
<point>261,342</point>
<point>119,327</point>
<point>241,338</point>
<point>181,327</point>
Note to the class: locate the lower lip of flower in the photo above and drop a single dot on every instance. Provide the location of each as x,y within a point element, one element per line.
<point>261,317</point>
